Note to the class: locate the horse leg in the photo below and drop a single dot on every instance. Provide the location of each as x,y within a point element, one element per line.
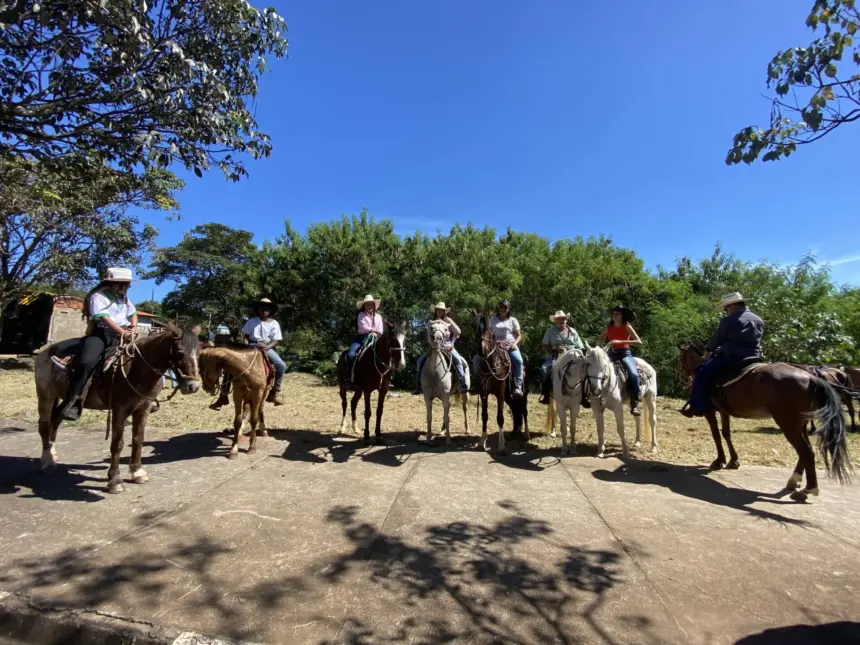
<point>380,407</point>
<point>651,411</point>
<point>794,432</point>
<point>428,402</point>
<point>367,414</point>
<point>138,431</point>
<point>599,413</point>
<point>720,462</point>
<point>526,420</point>
<point>343,426</point>
<point>726,422</point>
<point>353,405</point>
<point>796,477</point>
<point>48,432</point>
<point>238,422</point>
<point>484,418</point>
<point>619,425</point>
<point>500,419</point>
<point>562,415</point>
<point>446,421</point>
<point>246,415</point>
<point>257,400</point>
<point>848,404</point>
<point>262,431</point>
<point>638,422</point>
<point>464,401</point>
<point>116,446</point>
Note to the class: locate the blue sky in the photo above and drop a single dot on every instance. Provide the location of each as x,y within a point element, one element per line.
<point>555,117</point>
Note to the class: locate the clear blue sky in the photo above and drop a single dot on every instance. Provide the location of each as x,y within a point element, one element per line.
<point>555,117</point>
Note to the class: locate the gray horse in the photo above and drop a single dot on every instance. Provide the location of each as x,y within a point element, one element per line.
<point>439,381</point>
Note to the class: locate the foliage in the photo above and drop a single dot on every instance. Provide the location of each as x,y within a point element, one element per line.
<point>150,306</point>
<point>62,225</point>
<point>136,83</point>
<point>816,89</point>
<point>216,271</point>
<point>317,278</point>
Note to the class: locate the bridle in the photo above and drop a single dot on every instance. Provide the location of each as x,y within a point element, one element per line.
<point>610,387</point>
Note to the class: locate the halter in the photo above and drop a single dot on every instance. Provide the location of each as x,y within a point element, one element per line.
<point>600,379</point>
<point>438,347</point>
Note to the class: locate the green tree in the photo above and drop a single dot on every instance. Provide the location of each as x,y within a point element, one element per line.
<point>817,87</point>
<point>62,226</point>
<point>136,83</point>
<point>150,306</point>
<point>216,270</point>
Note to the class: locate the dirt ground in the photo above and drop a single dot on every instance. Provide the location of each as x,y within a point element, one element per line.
<point>311,405</point>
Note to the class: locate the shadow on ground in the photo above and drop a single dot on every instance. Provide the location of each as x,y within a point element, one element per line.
<point>464,580</point>
<point>843,633</point>
<point>697,482</point>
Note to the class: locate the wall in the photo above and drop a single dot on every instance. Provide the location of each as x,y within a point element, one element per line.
<point>66,322</point>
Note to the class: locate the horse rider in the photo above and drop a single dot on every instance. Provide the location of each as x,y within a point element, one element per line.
<point>369,323</point>
<point>507,333</point>
<point>264,332</point>
<point>737,339</point>
<point>621,336</point>
<point>451,334</point>
<point>111,317</point>
<point>556,340</point>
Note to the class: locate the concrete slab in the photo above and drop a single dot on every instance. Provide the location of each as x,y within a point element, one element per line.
<point>319,540</point>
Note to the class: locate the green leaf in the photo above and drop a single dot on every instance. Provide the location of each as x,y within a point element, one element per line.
<point>830,70</point>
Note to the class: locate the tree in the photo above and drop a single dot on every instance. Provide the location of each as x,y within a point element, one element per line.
<point>816,91</point>
<point>150,306</point>
<point>216,271</point>
<point>61,226</point>
<point>135,83</point>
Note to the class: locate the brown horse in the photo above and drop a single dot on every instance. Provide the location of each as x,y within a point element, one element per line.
<point>790,397</point>
<point>126,389</point>
<point>853,374</point>
<point>251,383</point>
<point>492,371</point>
<point>834,376</point>
<point>372,370</point>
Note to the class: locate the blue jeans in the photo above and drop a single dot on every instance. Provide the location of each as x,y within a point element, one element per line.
<point>356,344</point>
<point>700,393</point>
<point>458,367</point>
<point>279,365</point>
<point>545,375</point>
<point>626,358</point>
<point>517,363</point>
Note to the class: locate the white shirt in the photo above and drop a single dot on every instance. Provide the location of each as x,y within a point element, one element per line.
<point>104,304</point>
<point>265,331</point>
<point>503,330</point>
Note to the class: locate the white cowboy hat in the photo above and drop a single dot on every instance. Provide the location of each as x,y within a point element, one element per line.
<point>558,314</point>
<point>439,305</point>
<point>731,299</point>
<point>118,274</point>
<point>368,298</point>
<point>265,301</point>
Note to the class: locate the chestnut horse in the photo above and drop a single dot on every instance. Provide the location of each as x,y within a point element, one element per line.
<point>126,389</point>
<point>791,397</point>
<point>372,370</point>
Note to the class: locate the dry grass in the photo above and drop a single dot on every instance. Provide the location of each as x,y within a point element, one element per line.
<point>314,407</point>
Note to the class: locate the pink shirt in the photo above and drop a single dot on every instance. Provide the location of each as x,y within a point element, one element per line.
<point>368,323</point>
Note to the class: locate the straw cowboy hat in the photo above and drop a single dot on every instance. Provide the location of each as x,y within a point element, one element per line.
<point>558,314</point>
<point>368,298</point>
<point>731,299</point>
<point>439,305</point>
<point>265,302</point>
<point>118,274</point>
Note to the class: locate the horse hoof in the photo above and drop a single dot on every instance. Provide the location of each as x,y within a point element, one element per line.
<point>799,496</point>
<point>233,455</point>
<point>734,464</point>
<point>140,479</point>
<point>252,451</point>
<point>793,482</point>
<point>600,455</point>
<point>625,455</point>
<point>115,488</point>
<point>638,444</point>
<point>717,464</point>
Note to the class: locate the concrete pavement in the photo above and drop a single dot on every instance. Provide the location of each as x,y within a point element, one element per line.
<point>318,540</point>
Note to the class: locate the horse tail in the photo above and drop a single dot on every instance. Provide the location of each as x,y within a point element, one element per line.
<point>831,435</point>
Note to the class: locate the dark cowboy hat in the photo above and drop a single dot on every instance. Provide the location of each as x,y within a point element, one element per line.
<point>505,303</point>
<point>265,302</point>
<point>626,314</point>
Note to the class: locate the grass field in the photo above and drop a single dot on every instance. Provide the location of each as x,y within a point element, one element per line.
<point>312,406</point>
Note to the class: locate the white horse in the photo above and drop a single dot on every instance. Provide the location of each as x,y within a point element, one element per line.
<point>568,381</point>
<point>606,394</point>
<point>438,381</point>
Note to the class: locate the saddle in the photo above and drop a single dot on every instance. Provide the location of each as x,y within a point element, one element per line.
<point>621,374</point>
<point>734,373</point>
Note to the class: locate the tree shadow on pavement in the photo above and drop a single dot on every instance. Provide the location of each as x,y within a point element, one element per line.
<point>696,483</point>
<point>511,580</point>
<point>842,633</point>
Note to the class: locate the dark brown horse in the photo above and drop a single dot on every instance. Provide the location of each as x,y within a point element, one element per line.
<point>492,372</point>
<point>128,389</point>
<point>790,397</point>
<point>372,371</point>
<point>834,376</point>
<point>853,374</point>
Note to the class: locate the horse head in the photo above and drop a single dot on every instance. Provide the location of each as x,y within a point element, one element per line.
<point>597,369</point>
<point>483,332</point>
<point>182,357</point>
<point>395,339</point>
<point>438,329</point>
<point>689,358</point>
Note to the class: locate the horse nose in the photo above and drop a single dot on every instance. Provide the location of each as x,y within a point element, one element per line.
<point>192,387</point>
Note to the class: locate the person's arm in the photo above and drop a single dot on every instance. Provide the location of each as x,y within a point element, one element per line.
<point>603,337</point>
<point>517,335</point>
<point>454,330</point>
<point>634,337</point>
<point>365,324</point>
<point>99,305</point>
<point>132,319</point>
<point>544,344</point>
<point>577,341</point>
<point>718,338</point>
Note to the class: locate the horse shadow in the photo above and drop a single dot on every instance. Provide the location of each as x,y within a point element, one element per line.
<point>696,483</point>
<point>840,633</point>
<point>68,483</point>
<point>182,447</point>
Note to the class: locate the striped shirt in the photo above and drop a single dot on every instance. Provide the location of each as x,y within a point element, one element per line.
<point>567,338</point>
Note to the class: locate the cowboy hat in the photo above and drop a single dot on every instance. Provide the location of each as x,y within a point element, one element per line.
<point>439,305</point>
<point>558,314</point>
<point>368,298</point>
<point>505,303</point>
<point>731,299</point>
<point>265,302</point>
<point>118,274</point>
<point>626,314</point>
